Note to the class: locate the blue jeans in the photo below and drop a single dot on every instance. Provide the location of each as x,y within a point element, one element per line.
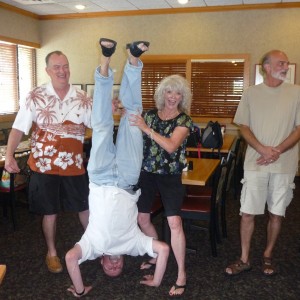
<point>116,164</point>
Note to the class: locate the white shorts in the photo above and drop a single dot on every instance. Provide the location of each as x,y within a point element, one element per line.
<point>260,188</point>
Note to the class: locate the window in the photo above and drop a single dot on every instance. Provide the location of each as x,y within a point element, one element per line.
<point>217,87</point>
<point>17,75</point>
<point>152,74</point>
<point>217,83</point>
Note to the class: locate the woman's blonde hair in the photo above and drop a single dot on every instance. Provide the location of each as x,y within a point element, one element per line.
<point>175,83</point>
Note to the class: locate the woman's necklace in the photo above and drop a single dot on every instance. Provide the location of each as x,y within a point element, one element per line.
<point>169,116</point>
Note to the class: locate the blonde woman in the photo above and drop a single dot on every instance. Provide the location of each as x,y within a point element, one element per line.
<point>166,129</point>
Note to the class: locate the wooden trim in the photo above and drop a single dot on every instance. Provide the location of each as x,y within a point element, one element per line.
<point>170,11</point>
<point>7,117</point>
<point>187,57</point>
<point>19,42</point>
<point>184,57</point>
<point>153,11</point>
<point>19,10</point>
<point>197,119</point>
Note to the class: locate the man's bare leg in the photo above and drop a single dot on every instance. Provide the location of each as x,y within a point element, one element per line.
<point>273,230</point>
<point>246,232</point>
<point>247,229</point>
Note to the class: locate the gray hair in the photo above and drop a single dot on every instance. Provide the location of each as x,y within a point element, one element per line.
<point>57,52</point>
<point>174,83</point>
<point>266,59</point>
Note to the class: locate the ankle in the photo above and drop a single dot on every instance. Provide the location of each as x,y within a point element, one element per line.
<point>133,61</point>
<point>80,294</point>
<point>245,260</point>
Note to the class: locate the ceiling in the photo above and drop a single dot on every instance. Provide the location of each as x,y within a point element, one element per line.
<point>62,7</point>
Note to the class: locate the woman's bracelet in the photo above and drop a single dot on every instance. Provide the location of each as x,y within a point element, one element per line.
<point>151,133</point>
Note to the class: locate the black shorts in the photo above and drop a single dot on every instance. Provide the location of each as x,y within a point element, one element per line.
<point>170,188</point>
<point>50,194</point>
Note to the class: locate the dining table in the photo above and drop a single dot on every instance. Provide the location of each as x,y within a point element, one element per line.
<point>201,171</point>
<point>228,140</point>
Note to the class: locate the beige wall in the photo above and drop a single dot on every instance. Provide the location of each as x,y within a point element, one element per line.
<point>19,27</point>
<point>251,31</point>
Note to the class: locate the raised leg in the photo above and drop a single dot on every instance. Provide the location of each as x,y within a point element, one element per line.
<point>129,141</point>
<point>102,165</point>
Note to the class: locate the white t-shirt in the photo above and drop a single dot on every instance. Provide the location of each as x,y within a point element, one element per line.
<point>113,228</point>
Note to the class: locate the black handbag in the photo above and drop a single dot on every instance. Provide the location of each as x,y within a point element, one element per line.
<point>194,139</point>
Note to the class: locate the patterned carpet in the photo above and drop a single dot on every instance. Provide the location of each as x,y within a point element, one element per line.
<point>23,251</point>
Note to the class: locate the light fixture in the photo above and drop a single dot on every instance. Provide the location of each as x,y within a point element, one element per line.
<point>183,1</point>
<point>80,6</point>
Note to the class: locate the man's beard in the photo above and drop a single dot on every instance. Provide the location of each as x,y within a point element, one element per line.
<point>281,75</point>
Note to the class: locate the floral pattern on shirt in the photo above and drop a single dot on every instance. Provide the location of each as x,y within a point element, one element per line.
<point>156,159</point>
<point>58,130</point>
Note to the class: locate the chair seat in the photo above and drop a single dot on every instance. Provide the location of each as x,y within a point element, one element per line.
<point>198,191</point>
<point>11,183</point>
<point>17,188</point>
<point>196,204</point>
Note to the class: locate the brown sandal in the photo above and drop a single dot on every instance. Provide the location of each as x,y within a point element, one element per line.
<point>267,264</point>
<point>238,267</point>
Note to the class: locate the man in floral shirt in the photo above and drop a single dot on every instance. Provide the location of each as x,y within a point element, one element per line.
<point>57,115</point>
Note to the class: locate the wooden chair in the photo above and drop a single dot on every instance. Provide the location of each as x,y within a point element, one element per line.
<point>9,192</point>
<point>231,184</point>
<point>230,167</point>
<point>4,133</point>
<point>239,167</point>
<point>205,204</point>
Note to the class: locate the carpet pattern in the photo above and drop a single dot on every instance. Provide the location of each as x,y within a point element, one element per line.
<point>24,250</point>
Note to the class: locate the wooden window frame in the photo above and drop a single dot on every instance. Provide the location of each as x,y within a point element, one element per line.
<point>187,60</point>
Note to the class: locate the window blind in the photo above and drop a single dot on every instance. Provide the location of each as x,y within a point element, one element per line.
<point>152,74</point>
<point>27,70</point>
<point>17,75</point>
<point>8,78</point>
<point>217,88</point>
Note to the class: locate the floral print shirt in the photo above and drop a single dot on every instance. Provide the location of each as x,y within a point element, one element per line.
<point>58,128</point>
<point>156,159</point>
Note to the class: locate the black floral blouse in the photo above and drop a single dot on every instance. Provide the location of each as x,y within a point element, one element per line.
<point>156,159</point>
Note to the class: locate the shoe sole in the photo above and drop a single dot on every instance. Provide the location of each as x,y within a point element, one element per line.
<point>3,272</point>
<point>55,271</point>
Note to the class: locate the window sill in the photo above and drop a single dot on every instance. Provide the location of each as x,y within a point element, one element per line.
<point>7,117</point>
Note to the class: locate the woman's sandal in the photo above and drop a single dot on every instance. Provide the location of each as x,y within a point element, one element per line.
<point>176,287</point>
<point>267,264</point>
<point>135,50</point>
<point>238,267</point>
<point>108,52</point>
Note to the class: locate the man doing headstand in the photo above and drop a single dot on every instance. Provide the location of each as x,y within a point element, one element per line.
<point>113,172</point>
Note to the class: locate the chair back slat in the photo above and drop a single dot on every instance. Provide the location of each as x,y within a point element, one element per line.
<point>221,184</point>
